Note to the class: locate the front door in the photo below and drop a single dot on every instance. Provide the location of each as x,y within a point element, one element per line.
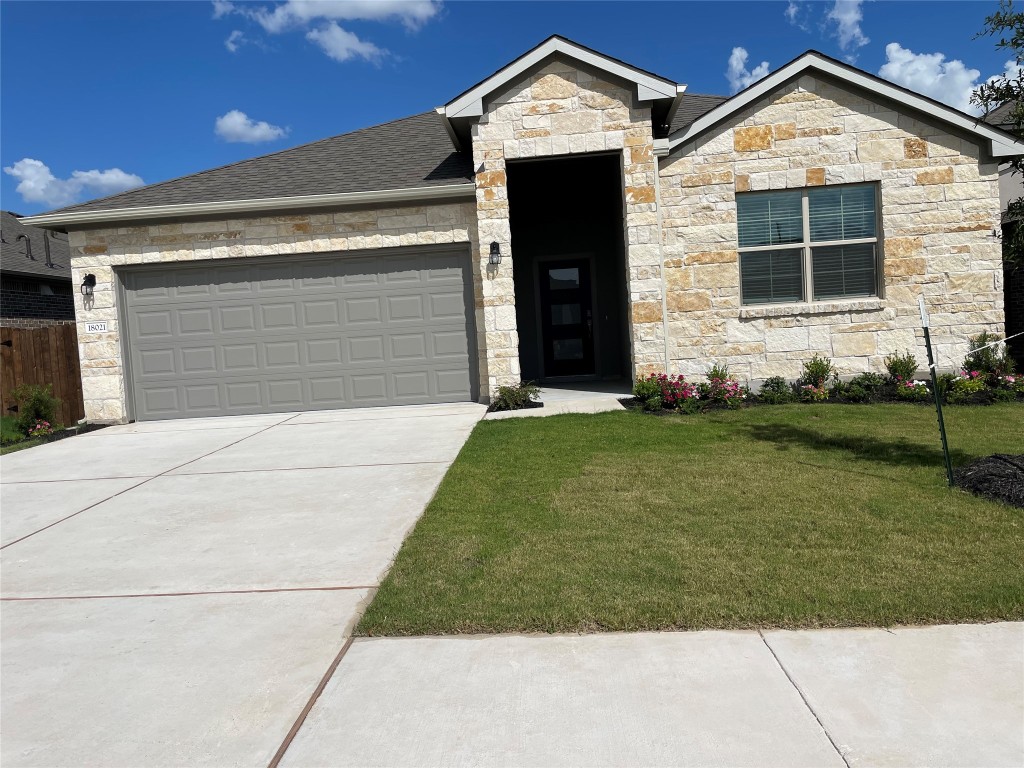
<point>567,318</point>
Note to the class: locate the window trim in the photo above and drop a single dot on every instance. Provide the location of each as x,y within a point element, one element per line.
<point>807,245</point>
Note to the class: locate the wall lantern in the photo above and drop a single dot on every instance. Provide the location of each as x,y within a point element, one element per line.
<point>88,284</point>
<point>495,257</point>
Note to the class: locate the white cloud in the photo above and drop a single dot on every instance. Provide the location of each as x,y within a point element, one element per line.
<point>950,82</point>
<point>235,40</point>
<point>37,184</point>
<point>737,73</point>
<point>795,13</point>
<point>222,8</point>
<point>319,18</point>
<point>342,45</point>
<point>847,16</point>
<point>293,13</point>
<point>236,126</point>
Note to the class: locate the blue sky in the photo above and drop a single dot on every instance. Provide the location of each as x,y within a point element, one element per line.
<point>101,96</point>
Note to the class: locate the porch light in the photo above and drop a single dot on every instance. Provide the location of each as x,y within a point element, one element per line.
<point>495,257</point>
<point>88,283</point>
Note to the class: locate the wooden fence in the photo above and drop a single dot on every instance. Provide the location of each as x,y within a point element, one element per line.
<point>43,356</point>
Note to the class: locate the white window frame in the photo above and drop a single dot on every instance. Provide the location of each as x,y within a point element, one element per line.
<point>806,245</point>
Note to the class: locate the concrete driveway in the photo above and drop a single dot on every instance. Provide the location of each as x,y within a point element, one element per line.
<point>173,592</point>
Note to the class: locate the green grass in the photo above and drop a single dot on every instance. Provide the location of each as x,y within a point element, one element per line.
<point>784,516</point>
<point>9,433</point>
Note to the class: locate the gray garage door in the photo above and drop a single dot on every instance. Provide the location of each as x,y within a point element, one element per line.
<point>301,333</point>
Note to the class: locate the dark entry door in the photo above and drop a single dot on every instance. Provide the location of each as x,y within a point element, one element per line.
<point>567,317</point>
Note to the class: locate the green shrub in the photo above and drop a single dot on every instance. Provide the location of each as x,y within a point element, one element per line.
<point>967,389</point>
<point>991,362</point>
<point>35,403</point>
<point>817,371</point>
<point>717,371</point>
<point>512,398</point>
<point>775,391</point>
<point>723,388</point>
<point>945,381</point>
<point>809,393</point>
<point>901,367</point>
<point>913,391</point>
<point>647,388</point>
<point>862,388</point>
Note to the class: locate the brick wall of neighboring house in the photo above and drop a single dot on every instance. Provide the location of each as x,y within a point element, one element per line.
<point>24,298</point>
<point>31,322</point>
<point>98,251</point>
<point>939,206</point>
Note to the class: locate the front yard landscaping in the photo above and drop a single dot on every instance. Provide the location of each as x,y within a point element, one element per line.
<point>778,516</point>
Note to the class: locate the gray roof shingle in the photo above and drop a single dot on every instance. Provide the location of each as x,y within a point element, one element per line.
<point>411,152</point>
<point>692,106</point>
<point>15,261</point>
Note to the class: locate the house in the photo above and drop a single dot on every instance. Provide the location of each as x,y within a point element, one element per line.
<point>35,276</point>
<point>571,216</point>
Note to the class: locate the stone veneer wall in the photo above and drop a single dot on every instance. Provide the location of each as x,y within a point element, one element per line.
<point>939,206</point>
<point>98,251</point>
<point>562,110</point>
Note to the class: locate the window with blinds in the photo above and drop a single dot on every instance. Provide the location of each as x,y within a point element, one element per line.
<point>820,242</point>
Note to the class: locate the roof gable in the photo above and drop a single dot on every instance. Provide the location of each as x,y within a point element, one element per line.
<point>1000,143</point>
<point>648,86</point>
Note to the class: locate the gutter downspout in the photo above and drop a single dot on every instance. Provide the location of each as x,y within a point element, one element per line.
<point>661,150</point>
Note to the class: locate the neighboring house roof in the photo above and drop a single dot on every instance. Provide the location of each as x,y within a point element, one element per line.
<point>1000,143</point>
<point>1003,116</point>
<point>14,258</point>
<point>411,158</point>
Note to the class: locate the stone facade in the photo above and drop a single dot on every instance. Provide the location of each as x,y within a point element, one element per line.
<point>564,110</point>
<point>99,251</point>
<point>939,205</point>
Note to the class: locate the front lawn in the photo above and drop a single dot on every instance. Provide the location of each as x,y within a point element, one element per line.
<point>782,516</point>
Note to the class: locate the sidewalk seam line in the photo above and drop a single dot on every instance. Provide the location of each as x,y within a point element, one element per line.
<point>137,485</point>
<point>271,590</point>
<point>301,719</point>
<point>804,699</point>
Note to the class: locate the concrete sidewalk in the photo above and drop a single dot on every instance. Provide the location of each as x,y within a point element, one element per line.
<point>936,696</point>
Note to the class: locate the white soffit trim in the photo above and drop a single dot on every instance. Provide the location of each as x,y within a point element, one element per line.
<point>1001,144</point>
<point>649,87</point>
<point>443,192</point>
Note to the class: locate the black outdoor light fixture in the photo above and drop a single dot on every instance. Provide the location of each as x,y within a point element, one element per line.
<point>88,283</point>
<point>495,257</point>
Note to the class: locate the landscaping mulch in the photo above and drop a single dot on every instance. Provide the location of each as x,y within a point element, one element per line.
<point>999,477</point>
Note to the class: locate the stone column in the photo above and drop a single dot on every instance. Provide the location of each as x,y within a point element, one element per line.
<point>498,294</point>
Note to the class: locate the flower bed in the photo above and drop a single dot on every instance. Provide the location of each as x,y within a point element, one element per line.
<point>987,377</point>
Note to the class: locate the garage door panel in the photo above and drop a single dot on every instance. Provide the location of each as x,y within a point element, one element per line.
<point>323,351</point>
<point>199,360</point>
<point>402,309</point>
<point>304,332</point>
<point>237,319</point>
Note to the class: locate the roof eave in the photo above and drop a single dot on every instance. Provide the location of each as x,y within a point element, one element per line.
<point>465,190</point>
<point>1001,144</point>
